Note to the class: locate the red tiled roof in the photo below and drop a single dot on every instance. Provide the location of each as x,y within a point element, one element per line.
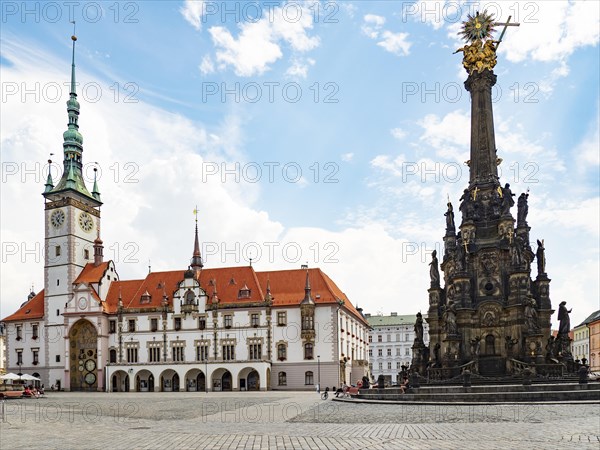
<point>287,288</point>
<point>32,309</point>
<point>229,281</point>
<point>92,273</point>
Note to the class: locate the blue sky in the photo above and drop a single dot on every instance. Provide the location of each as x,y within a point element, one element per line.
<point>378,148</point>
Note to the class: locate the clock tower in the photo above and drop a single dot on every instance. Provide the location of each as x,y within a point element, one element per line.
<point>72,220</point>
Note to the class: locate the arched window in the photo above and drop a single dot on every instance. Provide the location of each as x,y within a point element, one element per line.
<point>189,298</point>
<point>113,355</point>
<point>308,378</point>
<point>308,350</point>
<point>282,379</point>
<point>282,352</point>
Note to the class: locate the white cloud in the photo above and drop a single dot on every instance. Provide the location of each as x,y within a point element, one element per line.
<point>395,43</point>
<point>299,67</point>
<point>258,44</point>
<point>347,157</point>
<point>207,66</point>
<point>398,133</point>
<point>192,11</point>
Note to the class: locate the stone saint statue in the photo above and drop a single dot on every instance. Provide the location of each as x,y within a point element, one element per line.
<point>450,226</point>
<point>563,317</point>
<point>531,316</point>
<point>522,210</point>
<point>466,205</point>
<point>436,353</point>
<point>434,272</point>
<point>475,346</point>
<point>541,257</point>
<point>419,328</point>
<point>507,200</point>
<point>450,318</point>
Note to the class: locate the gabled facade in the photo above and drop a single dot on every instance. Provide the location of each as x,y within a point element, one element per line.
<point>196,329</point>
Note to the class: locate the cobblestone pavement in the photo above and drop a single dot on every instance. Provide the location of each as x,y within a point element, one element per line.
<point>281,420</point>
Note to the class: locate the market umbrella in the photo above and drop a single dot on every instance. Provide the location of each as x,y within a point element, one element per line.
<point>27,377</point>
<point>10,376</point>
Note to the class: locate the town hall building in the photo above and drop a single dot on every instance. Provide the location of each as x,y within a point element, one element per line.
<point>193,329</point>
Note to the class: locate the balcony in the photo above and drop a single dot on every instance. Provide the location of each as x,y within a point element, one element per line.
<point>189,308</point>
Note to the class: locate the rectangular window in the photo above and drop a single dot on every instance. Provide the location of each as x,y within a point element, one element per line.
<point>34,330</point>
<point>227,320</point>
<point>153,324</point>
<point>389,366</point>
<point>57,358</point>
<point>389,338</point>
<point>202,323</point>
<point>380,338</point>
<point>36,353</point>
<point>398,337</point>
<point>406,337</point>
<point>19,357</point>
<point>370,352</point>
<point>86,255</point>
<point>19,332</point>
<point>398,352</point>
<point>380,352</point>
<point>58,312</point>
<point>370,339</point>
<point>131,324</point>
<point>407,352</point>
<point>380,366</point>
<point>177,323</point>
<point>112,326</point>
<point>282,379</point>
<point>178,353</point>
<point>389,352</point>
<point>308,351</point>
<point>254,320</point>
<point>228,352</point>
<point>57,250</point>
<point>281,319</point>
<point>154,353</point>
<point>398,365</point>
<point>255,351</point>
<point>132,355</point>
<point>202,352</point>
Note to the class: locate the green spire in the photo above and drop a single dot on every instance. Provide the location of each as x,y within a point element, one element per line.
<point>49,183</point>
<point>95,190</point>
<point>72,177</point>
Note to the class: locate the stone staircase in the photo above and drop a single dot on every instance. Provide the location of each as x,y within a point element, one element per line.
<point>491,393</point>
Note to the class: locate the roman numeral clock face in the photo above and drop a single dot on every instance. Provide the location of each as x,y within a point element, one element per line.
<point>86,222</point>
<point>57,218</point>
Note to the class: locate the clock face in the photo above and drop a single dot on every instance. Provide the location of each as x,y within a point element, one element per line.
<point>86,222</point>
<point>90,365</point>
<point>82,303</point>
<point>57,218</point>
<point>90,378</point>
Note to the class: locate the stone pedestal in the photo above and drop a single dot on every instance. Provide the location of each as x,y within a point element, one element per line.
<point>420,357</point>
<point>451,351</point>
<point>533,348</point>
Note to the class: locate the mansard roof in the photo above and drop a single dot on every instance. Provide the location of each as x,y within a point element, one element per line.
<point>31,309</point>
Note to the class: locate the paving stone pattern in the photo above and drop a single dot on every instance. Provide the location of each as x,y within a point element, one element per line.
<point>283,420</point>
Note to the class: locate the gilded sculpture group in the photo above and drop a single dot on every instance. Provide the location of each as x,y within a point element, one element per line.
<point>479,56</point>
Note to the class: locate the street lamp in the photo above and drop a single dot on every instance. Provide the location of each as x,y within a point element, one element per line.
<point>318,373</point>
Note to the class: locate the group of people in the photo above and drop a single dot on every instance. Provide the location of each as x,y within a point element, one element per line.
<point>364,383</point>
<point>32,391</point>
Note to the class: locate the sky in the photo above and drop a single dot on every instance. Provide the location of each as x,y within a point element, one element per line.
<point>321,133</point>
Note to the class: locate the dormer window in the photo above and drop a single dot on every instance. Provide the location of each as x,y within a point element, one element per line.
<point>244,292</point>
<point>146,297</point>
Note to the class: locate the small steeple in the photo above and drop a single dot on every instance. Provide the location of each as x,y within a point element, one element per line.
<point>307,292</point>
<point>215,297</point>
<point>196,262</point>
<point>98,250</point>
<point>49,183</point>
<point>95,190</point>
<point>268,296</point>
